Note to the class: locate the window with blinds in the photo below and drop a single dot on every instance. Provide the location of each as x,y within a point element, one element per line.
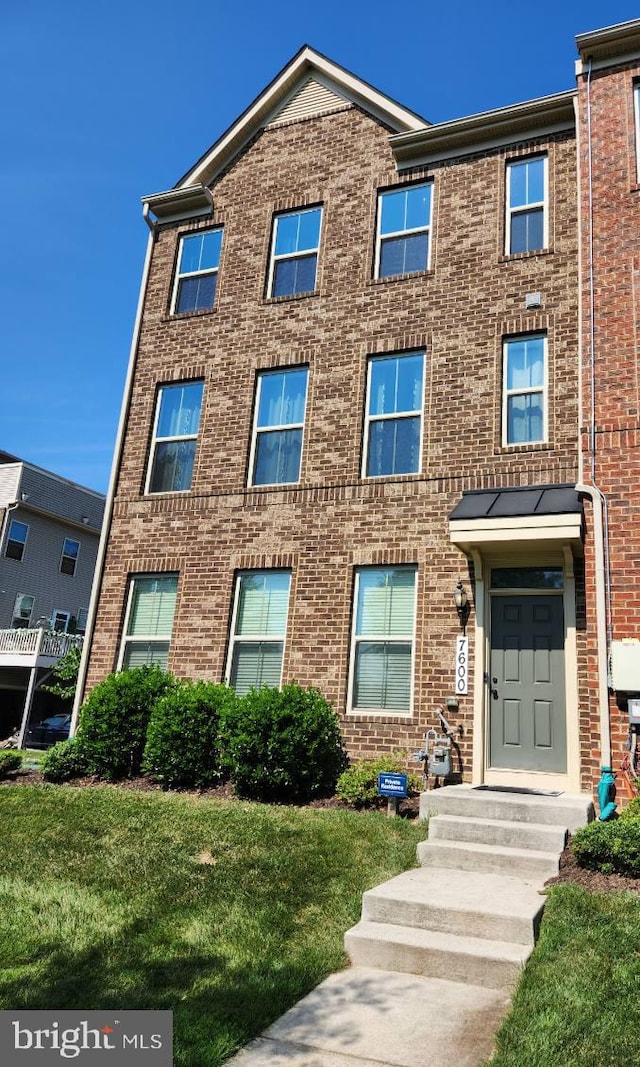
<point>383,638</point>
<point>150,611</point>
<point>259,627</point>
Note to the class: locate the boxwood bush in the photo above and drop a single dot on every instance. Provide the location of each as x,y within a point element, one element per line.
<point>611,847</point>
<point>282,744</point>
<point>358,785</point>
<point>113,720</point>
<point>64,761</point>
<point>10,761</point>
<point>182,748</point>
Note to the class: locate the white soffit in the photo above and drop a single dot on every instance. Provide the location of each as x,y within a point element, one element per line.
<point>307,66</point>
<point>513,531</point>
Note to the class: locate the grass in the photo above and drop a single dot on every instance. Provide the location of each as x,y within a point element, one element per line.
<point>577,1003</point>
<point>225,912</point>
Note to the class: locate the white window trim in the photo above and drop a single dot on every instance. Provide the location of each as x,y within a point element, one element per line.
<point>544,389</point>
<point>382,639</point>
<point>156,440</point>
<point>65,555</point>
<point>636,113</point>
<point>10,538</point>
<point>273,258</point>
<point>394,415</point>
<point>14,616</point>
<point>531,206</point>
<point>127,639</point>
<point>67,616</point>
<point>380,238</point>
<point>255,638</point>
<point>180,275</point>
<point>273,429</point>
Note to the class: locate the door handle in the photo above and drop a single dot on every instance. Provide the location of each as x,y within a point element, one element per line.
<point>493,690</point>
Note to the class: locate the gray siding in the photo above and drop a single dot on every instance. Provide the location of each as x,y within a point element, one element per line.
<point>60,497</point>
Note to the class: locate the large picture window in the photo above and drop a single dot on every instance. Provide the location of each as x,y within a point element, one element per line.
<point>404,228</point>
<point>276,448</point>
<point>197,274</point>
<point>393,424</point>
<point>175,437</point>
<point>524,420</point>
<point>294,252</point>
<point>149,620</point>
<point>259,626</point>
<point>526,205</point>
<point>383,639</point>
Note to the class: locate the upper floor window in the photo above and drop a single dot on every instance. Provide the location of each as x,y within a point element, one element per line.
<point>294,252</point>
<point>149,620</point>
<point>197,274</point>
<point>393,424</point>
<point>17,539</point>
<point>526,229</point>
<point>636,111</point>
<point>524,404</point>
<point>175,437</point>
<point>22,610</point>
<point>404,226</point>
<point>383,639</point>
<point>259,627</point>
<point>279,421</point>
<point>70,553</point>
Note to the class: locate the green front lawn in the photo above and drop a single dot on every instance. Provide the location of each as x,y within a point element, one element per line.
<point>225,912</point>
<point>578,1003</point>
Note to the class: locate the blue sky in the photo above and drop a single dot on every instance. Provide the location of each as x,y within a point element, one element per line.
<point>105,103</point>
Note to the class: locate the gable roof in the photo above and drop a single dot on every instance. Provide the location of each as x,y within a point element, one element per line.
<point>309,84</point>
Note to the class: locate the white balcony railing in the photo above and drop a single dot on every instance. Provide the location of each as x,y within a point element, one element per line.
<point>40,643</point>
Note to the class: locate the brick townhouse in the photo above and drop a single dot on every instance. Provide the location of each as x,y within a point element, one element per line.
<point>354,391</point>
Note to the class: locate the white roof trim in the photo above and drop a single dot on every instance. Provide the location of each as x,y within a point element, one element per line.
<point>515,530</point>
<point>271,99</point>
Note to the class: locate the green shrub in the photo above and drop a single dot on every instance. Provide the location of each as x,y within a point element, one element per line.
<point>282,744</point>
<point>63,761</point>
<point>632,810</point>
<point>10,761</point>
<point>114,719</point>
<point>358,785</point>
<point>610,847</point>
<point>182,748</point>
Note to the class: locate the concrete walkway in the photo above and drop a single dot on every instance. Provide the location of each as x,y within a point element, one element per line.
<point>438,949</point>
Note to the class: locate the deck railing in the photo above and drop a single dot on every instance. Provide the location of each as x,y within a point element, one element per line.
<point>47,643</point>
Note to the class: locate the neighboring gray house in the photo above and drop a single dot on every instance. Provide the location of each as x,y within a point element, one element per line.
<point>49,533</point>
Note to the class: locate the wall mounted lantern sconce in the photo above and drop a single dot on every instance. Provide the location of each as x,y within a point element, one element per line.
<point>461,602</point>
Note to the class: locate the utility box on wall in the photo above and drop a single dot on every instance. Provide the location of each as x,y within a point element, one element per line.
<point>625,665</point>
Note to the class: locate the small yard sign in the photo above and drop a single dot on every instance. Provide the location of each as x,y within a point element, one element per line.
<point>392,785</point>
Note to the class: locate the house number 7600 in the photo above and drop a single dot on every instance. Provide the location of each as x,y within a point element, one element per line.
<point>462,666</point>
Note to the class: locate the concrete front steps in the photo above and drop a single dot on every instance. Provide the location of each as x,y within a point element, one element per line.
<point>472,911</point>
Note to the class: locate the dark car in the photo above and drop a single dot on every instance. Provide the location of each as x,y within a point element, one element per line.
<point>47,732</point>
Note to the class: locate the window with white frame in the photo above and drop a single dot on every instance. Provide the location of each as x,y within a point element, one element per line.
<point>404,229</point>
<point>294,252</point>
<point>149,620</point>
<point>60,620</point>
<point>524,418</point>
<point>197,274</point>
<point>70,553</point>
<point>393,423</point>
<point>175,437</point>
<point>82,617</point>
<point>17,539</point>
<point>22,610</point>
<point>276,447</point>
<point>259,626</point>
<point>526,228</point>
<point>636,111</point>
<point>383,640</point>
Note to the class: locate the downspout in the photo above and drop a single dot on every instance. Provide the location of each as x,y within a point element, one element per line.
<point>598,502</point>
<point>108,512</point>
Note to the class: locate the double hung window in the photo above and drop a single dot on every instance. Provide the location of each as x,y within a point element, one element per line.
<point>294,252</point>
<point>197,274</point>
<point>17,539</point>
<point>524,391</point>
<point>636,113</point>
<point>175,437</point>
<point>383,639</point>
<point>259,627</point>
<point>22,610</point>
<point>393,425</point>
<point>279,422</point>
<point>70,553</point>
<point>526,229</point>
<point>149,621</point>
<point>404,228</point>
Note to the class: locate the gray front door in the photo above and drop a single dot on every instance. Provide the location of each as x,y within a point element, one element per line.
<point>527,721</point>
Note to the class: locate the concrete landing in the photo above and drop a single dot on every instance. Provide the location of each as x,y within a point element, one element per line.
<point>364,1017</point>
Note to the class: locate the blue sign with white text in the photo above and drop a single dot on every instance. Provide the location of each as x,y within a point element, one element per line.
<point>392,785</point>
